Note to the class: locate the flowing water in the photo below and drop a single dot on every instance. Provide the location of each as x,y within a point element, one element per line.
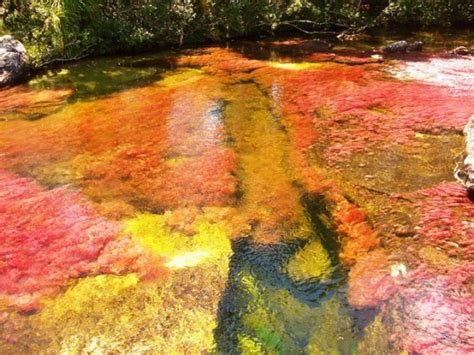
<point>259,198</point>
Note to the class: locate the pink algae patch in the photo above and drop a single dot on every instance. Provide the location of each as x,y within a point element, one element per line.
<point>455,73</point>
<point>435,312</point>
<point>446,219</point>
<point>51,236</point>
<point>370,282</point>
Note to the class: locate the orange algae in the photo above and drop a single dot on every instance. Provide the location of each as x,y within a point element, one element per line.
<point>221,62</point>
<point>121,147</point>
<point>51,236</point>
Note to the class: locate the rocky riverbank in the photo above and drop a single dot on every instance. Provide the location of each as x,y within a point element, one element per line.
<point>12,60</point>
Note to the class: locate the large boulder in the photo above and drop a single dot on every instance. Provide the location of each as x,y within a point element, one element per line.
<point>403,47</point>
<point>469,161</point>
<point>12,60</point>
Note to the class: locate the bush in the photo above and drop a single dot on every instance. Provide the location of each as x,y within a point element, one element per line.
<point>56,30</point>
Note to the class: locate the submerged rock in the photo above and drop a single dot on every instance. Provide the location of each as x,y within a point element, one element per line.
<point>416,46</point>
<point>403,46</point>
<point>460,51</point>
<point>396,47</point>
<point>12,60</point>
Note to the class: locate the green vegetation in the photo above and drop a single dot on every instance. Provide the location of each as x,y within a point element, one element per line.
<point>56,30</point>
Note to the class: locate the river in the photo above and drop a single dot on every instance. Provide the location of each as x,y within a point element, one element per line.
<point>256,197</point>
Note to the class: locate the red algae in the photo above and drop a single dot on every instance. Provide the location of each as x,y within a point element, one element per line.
<point>363,108</point>
<point>434,313</point>
<point>51,236</point>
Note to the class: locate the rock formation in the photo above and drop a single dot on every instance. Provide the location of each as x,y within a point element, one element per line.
<point>469,161</point>
<point>12,60</point>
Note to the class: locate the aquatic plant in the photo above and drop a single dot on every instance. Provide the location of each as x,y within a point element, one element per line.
<point>120,314</point>
<point>49,237</point>
<point>364,108</point>
<point>446,216</point>
<point>435,312</point>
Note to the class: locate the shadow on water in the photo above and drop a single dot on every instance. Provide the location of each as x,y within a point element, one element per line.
<point>263,307</point>
<point>94,78</point>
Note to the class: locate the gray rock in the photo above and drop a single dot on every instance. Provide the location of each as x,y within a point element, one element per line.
<point>12,60</point>
<point>396,47</point>
<point>416,46</point>
<point>461,51</point>
<point>403,46</point>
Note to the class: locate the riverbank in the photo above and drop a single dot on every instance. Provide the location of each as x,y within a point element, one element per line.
<point>69,30</point>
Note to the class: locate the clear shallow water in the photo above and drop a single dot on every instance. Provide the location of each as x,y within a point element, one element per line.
<point>258,198</point>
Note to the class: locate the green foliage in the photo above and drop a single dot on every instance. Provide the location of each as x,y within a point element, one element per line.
<point>67,29</point>
<point>432,12</point>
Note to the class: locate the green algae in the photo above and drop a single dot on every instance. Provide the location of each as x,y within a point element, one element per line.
<point>93,78</point>
<point>277,323</point>
<point>311,262</point>
<point>181,77</point>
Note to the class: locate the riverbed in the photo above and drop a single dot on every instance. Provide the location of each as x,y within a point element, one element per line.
<point>254,197</point>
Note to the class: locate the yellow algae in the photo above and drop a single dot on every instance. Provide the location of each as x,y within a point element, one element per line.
<point>310,262</point>
<point>86,289</point>
<point>175,161</point>
<point>295,66</point>
<point>270,199</point>
<point>376,338</point>
<point>248,345</point>
<point>118,314</point>
<point>181,77</point>
<point>209,244</point>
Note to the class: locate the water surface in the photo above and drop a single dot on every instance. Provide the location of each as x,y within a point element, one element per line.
<point>260,197</point>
